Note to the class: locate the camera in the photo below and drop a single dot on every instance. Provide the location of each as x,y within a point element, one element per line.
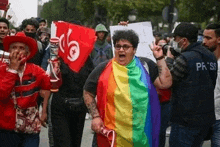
<point>172,50</point>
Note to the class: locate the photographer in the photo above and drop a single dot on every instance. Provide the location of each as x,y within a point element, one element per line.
<point>194,74</point>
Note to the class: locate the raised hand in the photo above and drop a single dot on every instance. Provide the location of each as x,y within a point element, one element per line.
<point>156,49</point>
<point>16,59</point>
<point>7,7</point>
<point>123,23</point>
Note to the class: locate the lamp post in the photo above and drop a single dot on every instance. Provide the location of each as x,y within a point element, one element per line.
<point>132,16</point>
<point>170,15</point>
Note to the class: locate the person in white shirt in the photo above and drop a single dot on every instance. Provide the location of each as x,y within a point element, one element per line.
<point>212,42</point>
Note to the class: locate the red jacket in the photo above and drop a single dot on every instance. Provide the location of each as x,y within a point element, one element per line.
<point>26,91</point>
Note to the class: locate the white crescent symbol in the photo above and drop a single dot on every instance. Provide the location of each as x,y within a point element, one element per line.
<point>61,43</point>
<point>74,51</point>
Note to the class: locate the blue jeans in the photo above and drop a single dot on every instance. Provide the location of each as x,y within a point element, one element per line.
<point>215,140</point>
<point>13,139</point>
<point>182,136</point>
<point>165,119</point>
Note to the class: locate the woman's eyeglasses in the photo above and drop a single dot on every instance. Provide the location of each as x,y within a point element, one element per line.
<point>125,47</point>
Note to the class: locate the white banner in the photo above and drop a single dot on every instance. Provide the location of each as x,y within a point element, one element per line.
<point>145,33</point>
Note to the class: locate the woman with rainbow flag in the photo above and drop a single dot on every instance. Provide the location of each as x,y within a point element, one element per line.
<point>127,101</point>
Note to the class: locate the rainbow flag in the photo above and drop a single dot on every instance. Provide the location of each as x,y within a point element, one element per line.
<point>129,105</point>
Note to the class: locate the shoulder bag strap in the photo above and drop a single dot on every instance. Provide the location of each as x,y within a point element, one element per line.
<point>14,98</point>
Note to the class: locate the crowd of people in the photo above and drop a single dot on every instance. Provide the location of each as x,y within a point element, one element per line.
<point>133,97</point>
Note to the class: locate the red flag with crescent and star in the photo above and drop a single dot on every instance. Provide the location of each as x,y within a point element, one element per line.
<point>75,43</point>
<point>3,4</point>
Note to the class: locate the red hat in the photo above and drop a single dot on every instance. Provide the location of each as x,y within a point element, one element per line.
<point>21,37</point>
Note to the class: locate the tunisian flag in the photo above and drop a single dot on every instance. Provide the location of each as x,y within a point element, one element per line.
<point>75,43</point>
<point>3,4</point>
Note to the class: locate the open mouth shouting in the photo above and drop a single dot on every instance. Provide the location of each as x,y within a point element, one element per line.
<point>124,52</point>
<point>122,57</point>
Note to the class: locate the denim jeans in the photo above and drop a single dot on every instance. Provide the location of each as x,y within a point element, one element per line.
<point>215,140</point>
<point>13,139</point>
<point>183,136</point>
<point>165,119</point>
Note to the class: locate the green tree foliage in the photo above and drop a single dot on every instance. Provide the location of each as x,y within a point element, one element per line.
<point>65,10</point>
<point>117,10</point>
<point>196,10</point>
<point>87,8</point>
<point>47,12</point>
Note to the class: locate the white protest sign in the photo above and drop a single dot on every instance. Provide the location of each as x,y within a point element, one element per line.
<point>145,33</point>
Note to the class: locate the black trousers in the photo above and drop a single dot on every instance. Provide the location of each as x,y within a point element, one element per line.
<point>67,125</point>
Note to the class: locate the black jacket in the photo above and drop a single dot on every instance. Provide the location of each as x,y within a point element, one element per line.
<point>72,86</point>
<point>193,97</point>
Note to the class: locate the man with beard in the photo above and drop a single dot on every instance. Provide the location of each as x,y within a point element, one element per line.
<point>212,42</point>
<point>102,50</point>
<point>29,27</point>
<point>4,29</point>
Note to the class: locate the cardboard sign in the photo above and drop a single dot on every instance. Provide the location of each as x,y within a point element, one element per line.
<point>3,4</point>
<point>145,33</point>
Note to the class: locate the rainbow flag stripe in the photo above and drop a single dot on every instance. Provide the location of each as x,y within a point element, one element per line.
<point>128,103</point>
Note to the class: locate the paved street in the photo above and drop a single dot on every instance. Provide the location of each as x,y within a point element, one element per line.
<point>87,137</point>
<point>86,141</point>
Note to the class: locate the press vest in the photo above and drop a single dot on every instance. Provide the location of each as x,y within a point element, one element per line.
<point>193,96</point>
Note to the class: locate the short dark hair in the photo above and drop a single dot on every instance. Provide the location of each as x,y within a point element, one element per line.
<point>43,20</point>
<point>43,30</point>
<point>187,30</point>
<point>4,20</point>
<point>30,21</point>
<point>214,26</point>
<point>129,35</point>
<point>157,34</point>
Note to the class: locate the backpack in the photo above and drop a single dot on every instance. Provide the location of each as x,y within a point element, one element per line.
<point>101,55</point>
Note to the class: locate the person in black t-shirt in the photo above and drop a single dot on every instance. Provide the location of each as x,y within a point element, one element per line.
<point>67,122</point>
<point>125,44</point>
